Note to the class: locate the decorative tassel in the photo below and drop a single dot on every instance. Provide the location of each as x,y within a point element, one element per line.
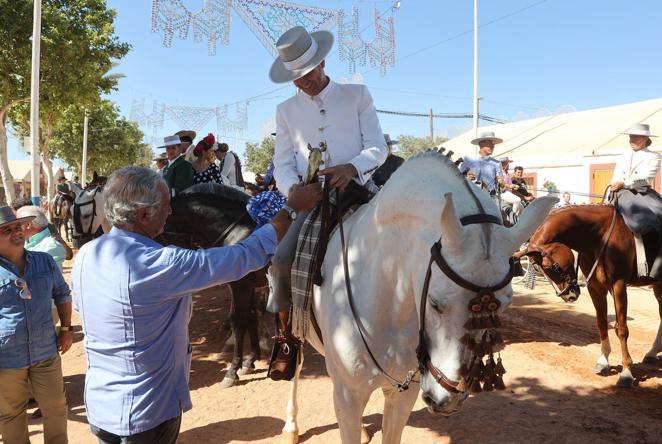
<point>475,387</point>
<point>500,370</point>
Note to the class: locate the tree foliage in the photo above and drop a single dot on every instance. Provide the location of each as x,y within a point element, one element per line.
<point>409,146</point>
<point>113,141</point>
<point>78,49</point>
<point>258,156</point>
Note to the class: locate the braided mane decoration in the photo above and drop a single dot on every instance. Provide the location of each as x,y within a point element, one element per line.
<point>583,205</point>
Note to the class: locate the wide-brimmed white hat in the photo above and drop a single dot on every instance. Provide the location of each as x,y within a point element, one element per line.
<point>640,129</point>
<point>299,53</point>
<point>170,141</point>
<point>488,135</point>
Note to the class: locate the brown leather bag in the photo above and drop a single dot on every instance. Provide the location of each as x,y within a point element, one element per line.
<point>284,357</point>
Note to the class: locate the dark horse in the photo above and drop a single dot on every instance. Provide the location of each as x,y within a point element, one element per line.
<point>605,244</point>
<point>213,215</point>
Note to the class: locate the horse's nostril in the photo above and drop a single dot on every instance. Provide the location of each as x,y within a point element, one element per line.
<point>427,399</point>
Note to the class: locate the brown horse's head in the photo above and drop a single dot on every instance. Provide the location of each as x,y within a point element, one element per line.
<point>557,263</point>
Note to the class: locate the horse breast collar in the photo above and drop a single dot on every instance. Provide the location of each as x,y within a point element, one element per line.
<point>482,335</point>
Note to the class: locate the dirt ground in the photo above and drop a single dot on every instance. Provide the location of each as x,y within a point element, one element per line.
<point>552,393</point>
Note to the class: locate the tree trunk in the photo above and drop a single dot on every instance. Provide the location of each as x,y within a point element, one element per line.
<point>7,179</point>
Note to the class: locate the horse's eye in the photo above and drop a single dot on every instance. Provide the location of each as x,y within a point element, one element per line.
<point>438,308</point>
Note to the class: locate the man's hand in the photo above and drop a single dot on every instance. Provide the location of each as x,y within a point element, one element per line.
<point>304,197</point>
<point>341,175</point>
<point>471,176</point>
<point>528,198</point>
<point>64,341</point>
<point>617,186</point>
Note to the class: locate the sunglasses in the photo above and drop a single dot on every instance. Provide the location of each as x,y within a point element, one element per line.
<point>22,285</point>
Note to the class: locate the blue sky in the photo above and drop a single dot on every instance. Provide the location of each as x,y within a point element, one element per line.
<point>535,57</point>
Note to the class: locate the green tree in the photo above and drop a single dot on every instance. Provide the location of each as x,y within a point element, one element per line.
<point>78,49</point>
<point>113,141</point>
<point>409,146</point>
<point>258,156</point>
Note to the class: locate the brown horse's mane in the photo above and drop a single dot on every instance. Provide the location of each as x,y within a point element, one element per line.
<point>583,205</point>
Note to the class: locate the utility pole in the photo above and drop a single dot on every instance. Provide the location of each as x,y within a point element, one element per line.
<point>83,179</point>
<point>34,103</point>
<point>431,128</point>
<point>475,120</point>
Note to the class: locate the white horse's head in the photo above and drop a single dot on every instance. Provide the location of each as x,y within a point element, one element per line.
<point>434,201</point>
<point>87,214</point>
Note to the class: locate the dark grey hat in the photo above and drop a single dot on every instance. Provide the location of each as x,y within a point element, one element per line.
<point>7,217</point>
<point>299,53</point>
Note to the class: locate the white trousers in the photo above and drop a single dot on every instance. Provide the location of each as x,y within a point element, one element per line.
<point>513,201</point>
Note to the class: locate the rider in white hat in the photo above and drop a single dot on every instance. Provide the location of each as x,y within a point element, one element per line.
<point>341,115</point>
<point>484,169</point>
<point>639,204</point>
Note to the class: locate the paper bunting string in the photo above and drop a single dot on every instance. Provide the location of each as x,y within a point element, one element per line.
<point>154,121</point>
<point>191,117</point>
<point>238,125</point>
<point>213,23</point>
<point>269,19</point>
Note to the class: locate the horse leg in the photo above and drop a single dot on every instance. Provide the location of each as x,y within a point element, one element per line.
<point>232,376</point>
<point>599,297</point>
<point>397,407</point>
<point>651,356</point>
<point>248,365</point>
<point>349,403</point>
<point>240,306</point>
<point>290,432</point>
<point>619,292</point>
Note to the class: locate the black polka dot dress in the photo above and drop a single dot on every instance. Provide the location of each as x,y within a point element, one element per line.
<point>211,174</point>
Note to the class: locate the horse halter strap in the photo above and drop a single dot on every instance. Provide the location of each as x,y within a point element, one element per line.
<point>78,216</point>
<point>487,293</point>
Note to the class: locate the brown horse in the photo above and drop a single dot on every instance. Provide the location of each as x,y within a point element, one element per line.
<point>606,257</point>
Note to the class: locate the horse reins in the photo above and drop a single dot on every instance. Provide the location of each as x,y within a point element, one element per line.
<point>424,361</point>
<point>219,240</point>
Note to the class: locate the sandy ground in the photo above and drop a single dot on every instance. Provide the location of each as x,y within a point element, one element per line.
<point>552,393</point>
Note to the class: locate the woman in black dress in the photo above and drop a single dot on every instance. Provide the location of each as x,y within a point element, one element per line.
<point>204,166</point>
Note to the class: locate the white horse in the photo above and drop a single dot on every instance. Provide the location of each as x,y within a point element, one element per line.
<point>389,243</point>
<point>88,215</point>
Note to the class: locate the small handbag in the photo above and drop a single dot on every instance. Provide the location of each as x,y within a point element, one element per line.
<point>283,363</point>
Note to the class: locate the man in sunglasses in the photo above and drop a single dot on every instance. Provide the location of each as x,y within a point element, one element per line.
<point>29,346</point>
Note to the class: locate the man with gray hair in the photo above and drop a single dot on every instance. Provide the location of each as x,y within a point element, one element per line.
<point>38,234</point>
<point>134,299</point>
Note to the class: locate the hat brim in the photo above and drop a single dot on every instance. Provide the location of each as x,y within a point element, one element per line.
<point>20,220</point>
<point>184,133</point>
<point>634,133</point>
<point>280,74</point>
<point>166,146</point>
<point>496,140</point>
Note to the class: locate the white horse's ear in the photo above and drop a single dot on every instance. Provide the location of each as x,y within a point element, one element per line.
<point>451,229</point>
<point>532,216</point>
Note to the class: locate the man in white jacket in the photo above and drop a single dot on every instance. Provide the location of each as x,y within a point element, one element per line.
<point>341,116</point>
<point>637,201</point>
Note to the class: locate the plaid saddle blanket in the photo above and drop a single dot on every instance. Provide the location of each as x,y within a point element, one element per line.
<point>311,246</point>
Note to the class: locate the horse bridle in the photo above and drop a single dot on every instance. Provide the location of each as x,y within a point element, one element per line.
<point>78,223</point>
<point>422,354</point>
<point>573,282</point>
<point>424,361</point>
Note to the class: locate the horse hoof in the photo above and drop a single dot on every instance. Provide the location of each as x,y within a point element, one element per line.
<point>601,368</point>
<point>227,382</point>
<point>365,436</point>
<point>625,382</point>
<point>650,360</point>
<point>245,371</point>
<point>289,437</point>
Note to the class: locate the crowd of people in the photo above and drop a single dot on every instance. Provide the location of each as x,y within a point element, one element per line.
<point>135,314</point>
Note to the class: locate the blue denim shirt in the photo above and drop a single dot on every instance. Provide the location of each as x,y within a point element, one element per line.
<point>27,335</point>
<point>134,299</point>
<point>486,169</point>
